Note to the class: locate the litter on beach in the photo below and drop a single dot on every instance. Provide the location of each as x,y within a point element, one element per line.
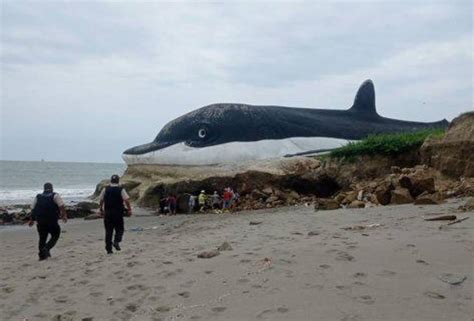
<point>140,229</point>
<point>361,227</point>
<point>442,218</point>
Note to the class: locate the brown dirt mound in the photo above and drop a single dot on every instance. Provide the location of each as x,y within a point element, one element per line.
<point>453,154</point>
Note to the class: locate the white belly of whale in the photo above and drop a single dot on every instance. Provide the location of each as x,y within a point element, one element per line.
<point>234,152</point>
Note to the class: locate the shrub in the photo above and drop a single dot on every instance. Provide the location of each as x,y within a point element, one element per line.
<point>386,144</point>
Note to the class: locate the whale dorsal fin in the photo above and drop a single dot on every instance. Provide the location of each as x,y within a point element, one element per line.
<point>364,102</point>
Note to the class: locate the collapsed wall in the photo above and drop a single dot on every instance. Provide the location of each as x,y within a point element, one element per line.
<point>261,184</point>
<point>452,154</point>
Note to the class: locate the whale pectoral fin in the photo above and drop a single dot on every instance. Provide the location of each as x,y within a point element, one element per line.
<point>364,102</point>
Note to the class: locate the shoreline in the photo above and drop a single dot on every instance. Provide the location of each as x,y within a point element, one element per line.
<point>290,263</point>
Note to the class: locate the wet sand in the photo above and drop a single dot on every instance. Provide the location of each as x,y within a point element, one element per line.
<point>290,264</point>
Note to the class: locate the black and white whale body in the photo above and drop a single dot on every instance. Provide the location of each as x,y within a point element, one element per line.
<point>229,133</point>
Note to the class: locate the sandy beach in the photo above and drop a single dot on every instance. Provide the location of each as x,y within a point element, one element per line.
<point>290,263</point>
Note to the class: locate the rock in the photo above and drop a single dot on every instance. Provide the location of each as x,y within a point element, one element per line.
<point>339,198</point>
<point>208,254</point>
<point>427,199</point>
<point>87,206</point>
<point>452,154</point>
<point>268,190</point>
<point>294,195</point>
<point>401,196</point>
<point>452,279</point>
<point>469,206</point>
<point>225,247</point>
<point>395,170</point>
<point>383,193</point>
<point>256,194</point>
<point>350,197</point>
<point>7,218</point>
<point>75,212</point>
<point>326,204</point>
<point>356,204</point>
<point>418,185</point>
<point>271,199</point>
<point>93,217</point>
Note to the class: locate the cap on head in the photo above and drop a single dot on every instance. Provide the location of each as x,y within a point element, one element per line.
<point>48,187</point>
<point>114,179</point>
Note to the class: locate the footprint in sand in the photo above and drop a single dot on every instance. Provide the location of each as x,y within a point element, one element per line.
<point>343,287</point>
<point>163,308</point>
<point>245,261</point>
<point>184,294</point>
<point>62,299</point>
<point>351,317</point>
<point>386,273</point>
<point>325,266</point>
<point>367,299</point>
<point>267,313</point>
<point>422,262</point>
<point>360,275</point>
<point>134,287</point>
<point>195,317</point>
<point>344,256</point>
<point>218,309</point>
<point>434,295</point>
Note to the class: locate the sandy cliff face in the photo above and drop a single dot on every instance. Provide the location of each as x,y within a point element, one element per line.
<point>453,154</point>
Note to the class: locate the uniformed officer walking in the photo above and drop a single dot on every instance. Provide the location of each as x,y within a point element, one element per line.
<point>112,200</point>
<point>47,208</point>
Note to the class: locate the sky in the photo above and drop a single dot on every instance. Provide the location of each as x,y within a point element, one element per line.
<point>83,81</point>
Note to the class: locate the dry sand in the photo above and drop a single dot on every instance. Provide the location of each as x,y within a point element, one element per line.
<point>296,265</point>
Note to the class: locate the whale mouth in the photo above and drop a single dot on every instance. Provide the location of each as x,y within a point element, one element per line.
<point>146,148</point>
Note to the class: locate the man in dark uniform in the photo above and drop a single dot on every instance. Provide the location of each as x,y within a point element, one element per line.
<point>112,200</point>
<point>47,208</point>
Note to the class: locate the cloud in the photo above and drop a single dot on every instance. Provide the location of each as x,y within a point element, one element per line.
<point>112,74</point>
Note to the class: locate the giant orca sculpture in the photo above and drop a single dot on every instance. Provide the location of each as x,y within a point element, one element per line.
<point>229,133</point>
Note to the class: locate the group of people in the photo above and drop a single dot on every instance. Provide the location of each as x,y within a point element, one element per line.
<point>48,208</point>
<point>203,202</point>
<point>225,203</point>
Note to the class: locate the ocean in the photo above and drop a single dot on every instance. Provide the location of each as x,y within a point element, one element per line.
<point>20,181</point>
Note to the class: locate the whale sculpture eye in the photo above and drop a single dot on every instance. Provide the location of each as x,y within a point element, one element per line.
<point>202,133</point>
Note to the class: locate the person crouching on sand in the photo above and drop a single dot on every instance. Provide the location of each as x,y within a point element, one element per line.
<point>112,200</point>
<point>47,208</point>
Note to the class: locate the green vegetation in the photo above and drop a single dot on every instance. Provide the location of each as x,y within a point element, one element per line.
<point>386,144</point>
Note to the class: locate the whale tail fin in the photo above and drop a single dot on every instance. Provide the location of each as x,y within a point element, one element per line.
<point>364,102</point>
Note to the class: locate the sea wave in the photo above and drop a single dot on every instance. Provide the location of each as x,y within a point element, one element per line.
<point>27,195</point>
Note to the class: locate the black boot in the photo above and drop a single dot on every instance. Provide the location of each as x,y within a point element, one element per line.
<point>117,246</point>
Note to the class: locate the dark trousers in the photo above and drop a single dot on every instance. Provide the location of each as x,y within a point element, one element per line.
<point>45,228</point>
<point>113,221</point>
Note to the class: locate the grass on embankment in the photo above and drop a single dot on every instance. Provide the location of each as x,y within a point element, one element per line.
<point>386,144</point>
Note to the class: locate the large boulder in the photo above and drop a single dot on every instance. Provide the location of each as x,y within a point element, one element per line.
<point>452,154</point>
<point>417,184</point>
<point>326,204</point>
<point>401,196</point>
<point>383,193</point>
